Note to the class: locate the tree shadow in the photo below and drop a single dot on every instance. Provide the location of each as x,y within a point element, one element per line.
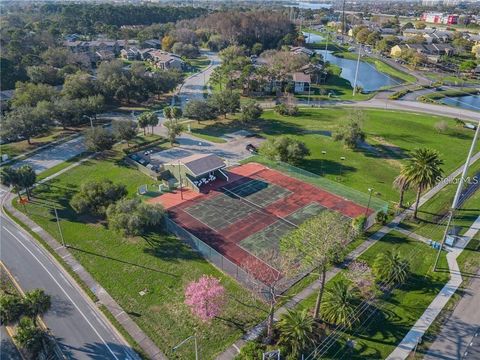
<point>168,247</point>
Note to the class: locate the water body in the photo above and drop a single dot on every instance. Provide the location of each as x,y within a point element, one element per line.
<point>309,5</point>
<point>468,102</point>
<point>369,78</point>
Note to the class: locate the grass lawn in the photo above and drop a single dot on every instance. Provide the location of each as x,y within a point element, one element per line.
<point>335,88</point>
<point>434,210</point>
<point>437,95</point>
<point>398,311</point>
<point>157,262</point>
<point>21,147</point>
<point>199,63</point>
<point>450,79</point>
<point>390,134</point>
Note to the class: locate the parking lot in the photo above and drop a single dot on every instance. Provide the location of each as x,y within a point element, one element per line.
<point>233,151</point>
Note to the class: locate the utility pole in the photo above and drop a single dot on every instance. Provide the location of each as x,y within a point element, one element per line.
<point>370,190</point>
<point>356,70</point>
<point>59,227</point>
<point>344,24</point>
<point>458,193</point>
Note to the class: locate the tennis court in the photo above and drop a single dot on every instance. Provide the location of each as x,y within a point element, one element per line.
<point>246,217</point>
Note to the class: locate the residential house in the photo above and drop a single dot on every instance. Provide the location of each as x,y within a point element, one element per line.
<point>91,47</point>
<point>301,50</point>
<point>152,43</point>
<point>317,73</point>
<point>104,55</point>
<point>166,61</point>
<point>432,51</point>
<point>131,53</point>
<point>301,82</point>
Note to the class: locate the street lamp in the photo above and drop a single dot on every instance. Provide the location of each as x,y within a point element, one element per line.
<point>342,158</point>
<point>370,190</point>
<point>321,162</point>
<point>184,341</point>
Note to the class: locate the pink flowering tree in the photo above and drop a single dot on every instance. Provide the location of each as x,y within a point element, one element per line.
<point>360,274</point>
<point>205,297</point>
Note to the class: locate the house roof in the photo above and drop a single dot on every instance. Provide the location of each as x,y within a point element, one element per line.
<point>200,164</point>
<point>301,77</point>
<point>163,56</point>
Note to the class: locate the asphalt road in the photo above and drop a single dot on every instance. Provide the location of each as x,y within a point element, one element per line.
<point>459,338</point>
<point>80,329</point>
<point>7,348</point>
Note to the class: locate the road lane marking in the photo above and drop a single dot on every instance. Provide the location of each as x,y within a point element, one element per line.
<point>66,294</point>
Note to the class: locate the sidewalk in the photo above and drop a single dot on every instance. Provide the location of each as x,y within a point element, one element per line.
<point>233,350</point>
<point>103,297</point>
<point>415,334</point>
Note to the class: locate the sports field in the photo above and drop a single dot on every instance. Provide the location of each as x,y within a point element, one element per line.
<point>245,218</point>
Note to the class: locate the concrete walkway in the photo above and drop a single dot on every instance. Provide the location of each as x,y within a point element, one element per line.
<point>233,350</point>
<point>415,334</point>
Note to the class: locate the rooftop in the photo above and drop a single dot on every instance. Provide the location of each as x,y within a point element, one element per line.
<point>200,164</point>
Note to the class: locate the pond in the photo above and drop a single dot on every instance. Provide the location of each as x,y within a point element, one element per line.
<point>369,78</point>
<point>468,102</point>
<point>309,5</point>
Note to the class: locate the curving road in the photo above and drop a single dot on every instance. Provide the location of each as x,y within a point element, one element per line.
<point>81,330</point>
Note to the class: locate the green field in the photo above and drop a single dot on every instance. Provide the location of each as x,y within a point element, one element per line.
<point>397,312</point>
<point>390,135</point>
<point>157,262</point>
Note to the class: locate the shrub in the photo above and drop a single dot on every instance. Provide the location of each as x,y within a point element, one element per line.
<point>350,133</point>
<point>359,223</point>
<point>441,126</point>
<point>11,308</point>
<point>251,111</point>
<point>131,217</point>
<point>252,350</point>
<point>99,139</point>
<point>381,217</point>
<point>286,110</point>
<point>95,196</point>
<point>284,148</point>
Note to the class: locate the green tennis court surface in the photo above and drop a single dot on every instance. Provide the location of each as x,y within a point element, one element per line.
<point>259,192</point>
<point>269,238</point>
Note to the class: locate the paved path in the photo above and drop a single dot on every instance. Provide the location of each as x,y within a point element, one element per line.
<point>408,343</point>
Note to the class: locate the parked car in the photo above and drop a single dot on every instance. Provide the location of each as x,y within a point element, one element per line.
<point>252,148</point>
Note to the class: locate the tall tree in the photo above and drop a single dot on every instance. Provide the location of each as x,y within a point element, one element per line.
<point>37,302</point>
<point>339,306</point>
<point>174,129</point>
<point>99,139</point>
<point>226,102</point>
<point>423,170</point>
<point>319,243</point>
<point>124,130</point>
<point>145,119</point>
<point>401,183</point>
<point>26,122</point>
<point>296,329</point>
<point>390,267</point>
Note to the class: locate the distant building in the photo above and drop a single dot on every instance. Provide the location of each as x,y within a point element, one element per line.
<point>439,18</point>
<point>301,50</point>
<point>428,50</point>
<point>301,82</point>
<point>166,61</point>
<point>152,43</point>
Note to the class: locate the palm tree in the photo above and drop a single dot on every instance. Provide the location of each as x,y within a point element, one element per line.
<point>296,330</point>
<point>37,302</point>
<point>27,178</point>
<point>402,184</point>
<point>391,267</point>
<point>423,171</point>
<point>340,304</point>
<point>29,336</point>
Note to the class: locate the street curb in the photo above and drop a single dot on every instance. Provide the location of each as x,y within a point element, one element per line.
<point>93,304</point>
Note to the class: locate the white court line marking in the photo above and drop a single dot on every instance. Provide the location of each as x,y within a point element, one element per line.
<point>66,294</point>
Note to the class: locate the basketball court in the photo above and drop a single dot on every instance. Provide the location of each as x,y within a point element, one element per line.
<point>245,218</point>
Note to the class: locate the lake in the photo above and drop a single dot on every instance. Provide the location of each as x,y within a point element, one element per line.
<point>369,78</point>
<point>468,102</point>
<point>309,5</point>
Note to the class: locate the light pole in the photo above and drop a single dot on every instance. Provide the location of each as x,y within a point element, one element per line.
<point>356,70</point>
<point>370,190</point>
<point>184,341</point>
<point>180,180</point>
<point>321,162</point>
<point>342,158</point>
<point>58,224</point>
<point>458,193</point>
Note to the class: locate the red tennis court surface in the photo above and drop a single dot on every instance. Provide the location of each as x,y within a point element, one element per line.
<point>251,212</point>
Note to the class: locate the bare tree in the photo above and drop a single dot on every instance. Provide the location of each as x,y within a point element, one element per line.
<point>317,244</point>
<point>267,278</point>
